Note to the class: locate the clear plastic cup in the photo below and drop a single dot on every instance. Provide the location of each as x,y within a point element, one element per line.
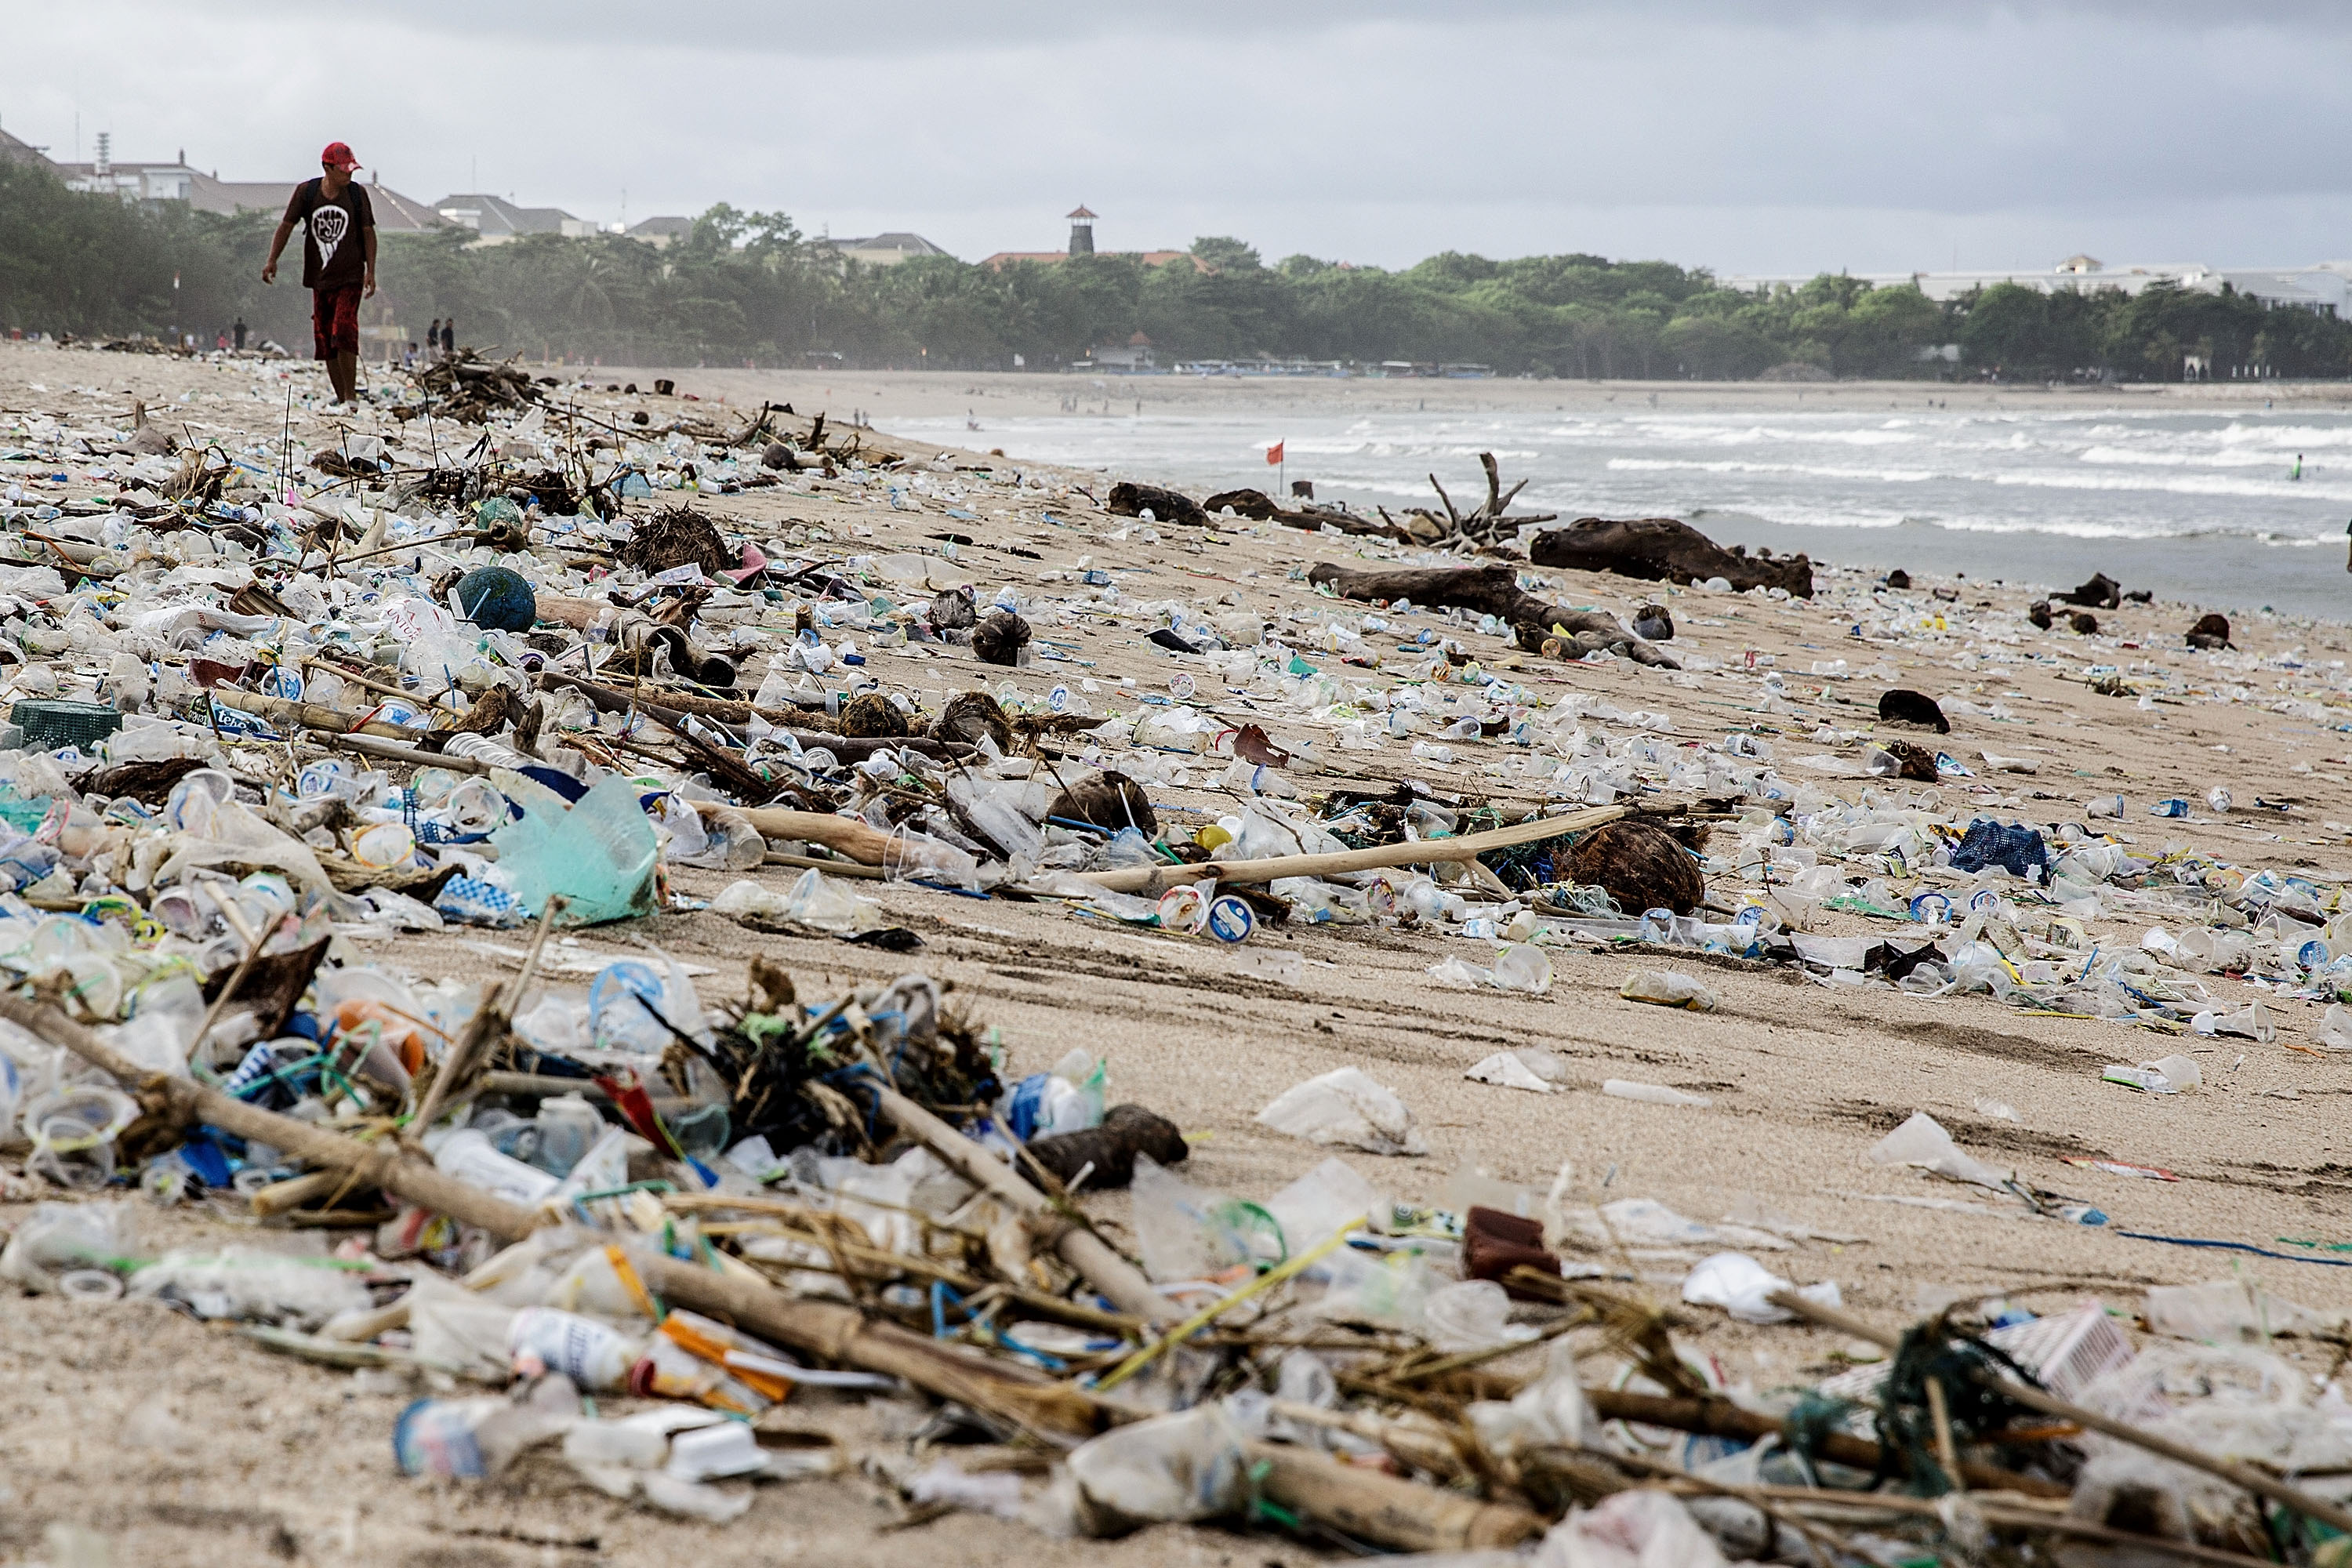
<point>383,844</point>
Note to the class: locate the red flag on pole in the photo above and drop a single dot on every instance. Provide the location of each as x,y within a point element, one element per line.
<point>1273,455</point>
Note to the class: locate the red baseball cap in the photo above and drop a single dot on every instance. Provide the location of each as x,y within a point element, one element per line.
<point>338,155</point>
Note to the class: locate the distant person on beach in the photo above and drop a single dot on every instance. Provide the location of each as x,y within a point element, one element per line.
<point>237,332</point>
<point>338,261</point>
<point>432,338</point>
<point>449,336</point>
<point>2298,467</point>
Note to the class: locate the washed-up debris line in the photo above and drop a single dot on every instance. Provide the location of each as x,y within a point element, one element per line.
<point>272,698</point>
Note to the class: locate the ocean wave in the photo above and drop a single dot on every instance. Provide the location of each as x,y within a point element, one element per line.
<point>2133,456</point>
<point>1735,466</point>
<point>2206,485</point>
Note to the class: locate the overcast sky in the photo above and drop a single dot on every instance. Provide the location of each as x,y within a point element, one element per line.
<point>1749,137</point>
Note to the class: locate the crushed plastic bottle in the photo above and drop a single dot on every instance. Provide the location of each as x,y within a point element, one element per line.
<point>1667,988</point>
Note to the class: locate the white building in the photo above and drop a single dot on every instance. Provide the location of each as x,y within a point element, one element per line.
<point>2324,286</point>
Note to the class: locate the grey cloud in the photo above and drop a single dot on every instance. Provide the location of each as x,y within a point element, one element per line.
<point>1740,133</point>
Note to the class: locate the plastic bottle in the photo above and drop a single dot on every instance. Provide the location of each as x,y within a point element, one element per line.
<point>1668,989</point>
<point>468,1155</point>
<point>1651,1093</point>
<point>590,1354</point>
<point>568,1125</point>
<point>476,1439</point>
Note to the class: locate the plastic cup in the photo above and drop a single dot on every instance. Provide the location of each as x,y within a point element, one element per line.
<point>383,844</point>
<point>1184,909</point>
<point>1230,920</point>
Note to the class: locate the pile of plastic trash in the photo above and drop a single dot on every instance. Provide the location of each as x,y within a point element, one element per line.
<point>271,705</point>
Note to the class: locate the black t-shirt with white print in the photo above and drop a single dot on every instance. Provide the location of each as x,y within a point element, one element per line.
<point>334,252</point>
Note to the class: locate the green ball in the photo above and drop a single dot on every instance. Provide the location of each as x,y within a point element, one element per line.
<point>497,600</point>
<point>491,511</point>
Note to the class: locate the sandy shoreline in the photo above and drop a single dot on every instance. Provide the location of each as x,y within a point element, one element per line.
<point>1803,1079</point>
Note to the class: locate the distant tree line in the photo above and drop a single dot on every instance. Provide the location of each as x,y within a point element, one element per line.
<point>749,286</point>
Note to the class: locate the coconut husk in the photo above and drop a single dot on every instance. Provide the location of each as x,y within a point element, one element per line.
<point>951,610</point>
<point>1107,800</point>
<point>149,782</point>
<point>492,712</point>
<point>2039,614</point>
<point>1918,761</point>
<point>1899,578</point>
<point>870,716</point>
<point>1652,624</point>
<point>2084,623</point>
<point>273,984</point>
<point>2210,632</point>
<point>1901,706</point>
<point>1640,866</point>
<point>1000,638</point>
<point>970,715</point>
<point>680,536</point>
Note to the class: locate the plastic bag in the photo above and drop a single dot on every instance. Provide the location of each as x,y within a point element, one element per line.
<point>1643,1528</point>
<point>2016,848</point>
<point>1537,1071</point>
<point>814,899</point>
<point>1470,1316</point>
<point>1548,1412</point>
<point>1740,1286</point>
<point>1346,1106</point>
<point>59,1238</point>
<point>249,1284</point>
<point>1170,1469</point>
<point>1922,1142</point>
<point>598,852</point>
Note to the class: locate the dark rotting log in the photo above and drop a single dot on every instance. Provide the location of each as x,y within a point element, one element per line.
<point>1666,549</point>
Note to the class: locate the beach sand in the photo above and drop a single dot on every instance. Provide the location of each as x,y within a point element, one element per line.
<point>287,1458</point>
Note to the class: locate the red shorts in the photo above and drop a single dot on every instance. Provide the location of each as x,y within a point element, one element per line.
<point>335,320</point>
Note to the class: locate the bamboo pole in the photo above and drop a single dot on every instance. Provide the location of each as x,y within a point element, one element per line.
<point>1148,880</point>
<point>305,715</point>
<point>1387,1512</point>
<point>1081,1249</point>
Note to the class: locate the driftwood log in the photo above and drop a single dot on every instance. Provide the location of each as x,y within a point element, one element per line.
<point>1130,500</point>
<point>2101,593</point>
<point>1493,591</point>
<point>1259,507</point>
<point>1666,549</point>
<point>1485,523</point>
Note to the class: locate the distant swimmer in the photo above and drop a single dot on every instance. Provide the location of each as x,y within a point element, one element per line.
<point>2298,467</point>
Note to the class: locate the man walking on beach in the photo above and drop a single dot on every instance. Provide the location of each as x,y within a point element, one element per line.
<point>338,261</point>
